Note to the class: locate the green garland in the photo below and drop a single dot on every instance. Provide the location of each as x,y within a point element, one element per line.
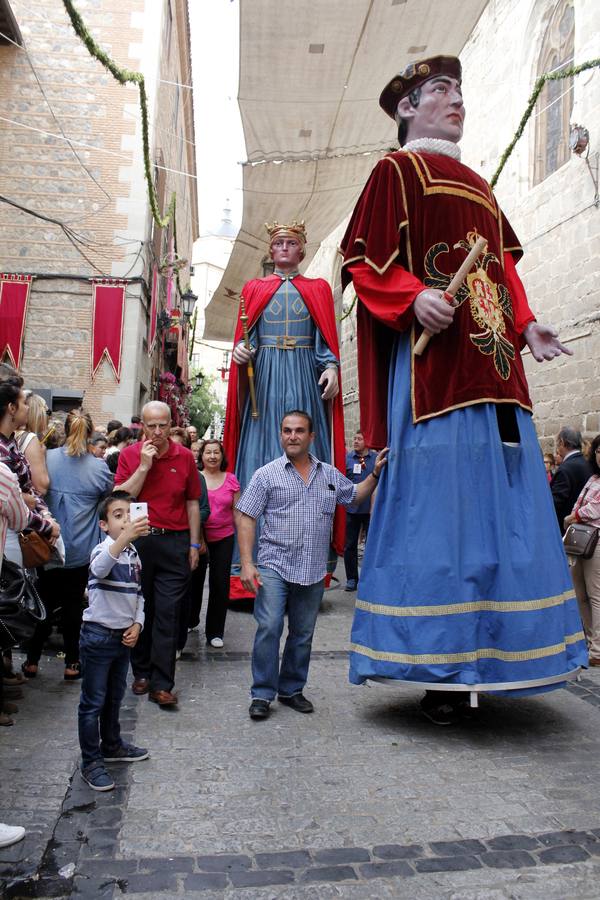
<point>538,87</point>
<point>126,76</point>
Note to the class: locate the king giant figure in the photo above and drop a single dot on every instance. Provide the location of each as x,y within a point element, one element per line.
<point>295,356</point>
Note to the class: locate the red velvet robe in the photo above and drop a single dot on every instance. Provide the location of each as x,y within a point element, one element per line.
<point>411,229</point>
<point>317,296</point>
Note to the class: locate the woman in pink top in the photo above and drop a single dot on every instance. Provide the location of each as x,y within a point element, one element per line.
<point>223,494</point>
<point>586,572</point>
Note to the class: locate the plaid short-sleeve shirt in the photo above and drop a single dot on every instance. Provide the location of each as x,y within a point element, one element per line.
<point>298,516</point>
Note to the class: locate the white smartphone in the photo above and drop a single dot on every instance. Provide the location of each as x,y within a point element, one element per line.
<point>137,511</point>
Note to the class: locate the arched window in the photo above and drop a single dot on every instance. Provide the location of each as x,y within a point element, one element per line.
<point>555,103</point>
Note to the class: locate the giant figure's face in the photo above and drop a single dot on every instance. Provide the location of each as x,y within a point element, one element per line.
<point>286,252</point>
<point>440,113</point>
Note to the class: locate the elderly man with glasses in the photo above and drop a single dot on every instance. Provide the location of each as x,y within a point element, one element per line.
<point>164,475</point>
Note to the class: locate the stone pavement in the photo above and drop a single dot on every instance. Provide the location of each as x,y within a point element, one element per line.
<point>362,799</point>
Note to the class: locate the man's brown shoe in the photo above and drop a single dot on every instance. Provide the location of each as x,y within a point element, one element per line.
<point>163,698</point>
<point>140,686</point>
<point>594,661</point>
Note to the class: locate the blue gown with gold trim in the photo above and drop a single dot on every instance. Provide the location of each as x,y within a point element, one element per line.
<point>464,578</point>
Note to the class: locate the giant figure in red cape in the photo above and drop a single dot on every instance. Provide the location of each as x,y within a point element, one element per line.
<point>464,579</point>
<point>295,355</point>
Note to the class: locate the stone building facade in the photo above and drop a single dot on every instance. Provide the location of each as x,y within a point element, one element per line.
<point>71,151</point>
<point>549,193</point>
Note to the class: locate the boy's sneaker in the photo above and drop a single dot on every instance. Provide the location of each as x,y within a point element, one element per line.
<point>97,777</point>
<point>127,753</point>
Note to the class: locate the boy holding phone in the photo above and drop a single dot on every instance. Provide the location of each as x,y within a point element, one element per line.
<point>111,626</point>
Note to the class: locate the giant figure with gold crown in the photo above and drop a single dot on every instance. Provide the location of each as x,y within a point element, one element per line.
<point>294,353</point>
<point>465,583</point>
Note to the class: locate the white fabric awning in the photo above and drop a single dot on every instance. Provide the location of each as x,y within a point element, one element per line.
<point>310,79</point>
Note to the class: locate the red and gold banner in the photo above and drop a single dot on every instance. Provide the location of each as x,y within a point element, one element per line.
<point>108,313</point>
<point>14,297</point>
<point>153,311</point>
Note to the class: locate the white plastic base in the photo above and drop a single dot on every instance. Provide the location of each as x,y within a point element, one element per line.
<point>475,689</point>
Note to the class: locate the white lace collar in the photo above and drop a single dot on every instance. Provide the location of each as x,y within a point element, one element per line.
<point>434,145</point>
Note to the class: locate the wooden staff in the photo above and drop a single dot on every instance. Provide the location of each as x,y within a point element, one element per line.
<point>244,321</point>
<point>453,287</point>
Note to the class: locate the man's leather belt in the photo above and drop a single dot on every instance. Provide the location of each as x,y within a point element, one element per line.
<point>154,530</point>
<point>287,342</point>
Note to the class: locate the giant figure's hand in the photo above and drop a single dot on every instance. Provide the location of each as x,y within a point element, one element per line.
<point>329,378</point>
<point>543,342</point>
<point>241,354</point>
<point>433,312</point>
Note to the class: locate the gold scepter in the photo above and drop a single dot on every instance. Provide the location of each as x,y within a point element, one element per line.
<point>244,321</point>
<point>453,287</point>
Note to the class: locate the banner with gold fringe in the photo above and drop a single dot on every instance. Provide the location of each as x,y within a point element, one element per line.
<point>108,314</point>
<point>14,298</point>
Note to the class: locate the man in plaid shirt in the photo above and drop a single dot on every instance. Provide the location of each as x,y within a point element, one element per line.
<point>297,495</point>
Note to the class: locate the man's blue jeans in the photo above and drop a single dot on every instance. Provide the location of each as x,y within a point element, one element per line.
<point>104,664</point>
<point>274,599</point>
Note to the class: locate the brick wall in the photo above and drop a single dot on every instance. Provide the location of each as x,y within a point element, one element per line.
<point>67,90</point>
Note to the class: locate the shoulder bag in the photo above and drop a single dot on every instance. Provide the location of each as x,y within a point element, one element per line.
<point>580,539</point>
<point>36,549</point>
<point>21,608</point>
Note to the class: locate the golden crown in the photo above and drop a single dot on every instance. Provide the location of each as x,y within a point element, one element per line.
<point>296,229</point>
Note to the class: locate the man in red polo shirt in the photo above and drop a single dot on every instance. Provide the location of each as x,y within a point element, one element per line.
<point>164,475</point>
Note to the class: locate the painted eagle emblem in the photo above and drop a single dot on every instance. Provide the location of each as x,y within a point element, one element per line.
<point>489,303</point>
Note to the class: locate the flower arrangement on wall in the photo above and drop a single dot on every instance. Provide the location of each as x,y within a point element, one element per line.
<point>174,393</point>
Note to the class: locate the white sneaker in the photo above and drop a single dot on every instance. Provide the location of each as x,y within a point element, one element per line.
<point>178,654</point>
<point>10,834</point>
<point>216,642</point>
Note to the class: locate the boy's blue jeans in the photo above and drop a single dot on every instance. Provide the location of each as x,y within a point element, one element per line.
<point>104,664</point>
<point>274,599</point>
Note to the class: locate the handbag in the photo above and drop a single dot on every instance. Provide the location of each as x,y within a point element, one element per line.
<point>21,608</point>
<point>580,540</point>
<point>35,548</point>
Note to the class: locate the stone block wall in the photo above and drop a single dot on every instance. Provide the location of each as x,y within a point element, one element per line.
<point>557,220</point>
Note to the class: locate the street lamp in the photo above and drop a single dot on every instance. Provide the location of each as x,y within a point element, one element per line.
<point>199,379</point>
<point>188,301</point>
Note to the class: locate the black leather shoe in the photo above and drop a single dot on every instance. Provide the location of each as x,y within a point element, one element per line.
<point>259,709</point>
<point>297,702</point>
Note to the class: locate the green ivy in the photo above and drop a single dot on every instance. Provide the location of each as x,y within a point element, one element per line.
<point>538,87</point>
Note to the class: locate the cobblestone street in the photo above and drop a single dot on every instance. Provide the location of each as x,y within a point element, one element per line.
<point>363,799</point>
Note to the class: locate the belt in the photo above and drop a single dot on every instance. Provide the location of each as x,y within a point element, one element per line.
<point>154,530</point>
<point>102,629</point>
<point>287,342</point>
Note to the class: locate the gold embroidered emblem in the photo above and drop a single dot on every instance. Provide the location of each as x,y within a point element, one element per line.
<point>396,85</point>
<point>489,303</point>
<point>424,69</point>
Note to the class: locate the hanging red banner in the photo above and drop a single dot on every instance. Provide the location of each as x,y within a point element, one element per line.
<point>14,297</point>
<point>108,313</point>
<point>153,311</point>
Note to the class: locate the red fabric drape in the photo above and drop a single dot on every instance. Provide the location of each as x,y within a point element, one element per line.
<point>107,324</point>
<point>14,296</point>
